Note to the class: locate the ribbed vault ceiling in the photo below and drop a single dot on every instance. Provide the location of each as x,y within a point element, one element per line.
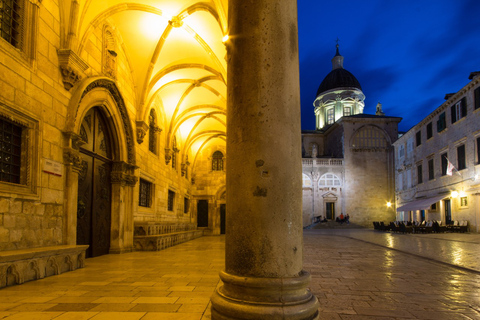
<point>176,58</point>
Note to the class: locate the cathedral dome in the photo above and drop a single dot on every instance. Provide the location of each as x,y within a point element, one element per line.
<point>338,78</point>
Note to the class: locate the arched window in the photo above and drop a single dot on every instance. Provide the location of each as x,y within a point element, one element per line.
<point>369,137</point>
<point>152,132</point>
<point>329,180</point>
<point>174,153</point>
<point>330,116</point>
<point>217,161</point>
<point>307,182</point>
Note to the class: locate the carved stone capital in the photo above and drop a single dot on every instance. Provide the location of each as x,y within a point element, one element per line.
<point>168,155</point>
<point>184,168</point>
<point>123,173</point>
<point>142,128</point>
<point>72,67</point>
<point>71,157</point>
<point>73,140</point>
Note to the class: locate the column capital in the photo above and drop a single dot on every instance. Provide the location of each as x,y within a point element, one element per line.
<point>123,174</point>
<point>71,157</point>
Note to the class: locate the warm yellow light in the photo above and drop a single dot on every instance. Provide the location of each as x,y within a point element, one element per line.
<point>454,194</point>
<point>462,194</point>
<point>225,38</point>
<point>389,204</point>
<point>153,25</point>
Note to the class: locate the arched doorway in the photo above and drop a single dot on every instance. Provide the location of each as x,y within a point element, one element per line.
<point>94,184</point>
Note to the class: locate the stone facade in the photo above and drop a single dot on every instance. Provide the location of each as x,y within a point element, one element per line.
<point>347,178</point>
<point>424,190</point>
<point>348,163</point>
<point>68,66</point>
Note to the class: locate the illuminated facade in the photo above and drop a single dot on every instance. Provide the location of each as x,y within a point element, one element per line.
<point>113,139</point>
<point>425,189</point>
<point>348,160</point>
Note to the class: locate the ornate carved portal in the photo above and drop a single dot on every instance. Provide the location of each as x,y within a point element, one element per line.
<point>94,185</point>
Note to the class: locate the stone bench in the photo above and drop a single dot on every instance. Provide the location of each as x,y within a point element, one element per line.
<point>156,242</point>
<point>19,266</point>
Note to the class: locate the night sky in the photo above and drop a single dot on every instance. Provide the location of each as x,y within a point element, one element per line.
<point>406,54</point>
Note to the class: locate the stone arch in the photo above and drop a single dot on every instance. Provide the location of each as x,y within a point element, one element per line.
<point>370,137</point>
<point>329,180</point>
<point>306,181</point>
<point>103,93</point>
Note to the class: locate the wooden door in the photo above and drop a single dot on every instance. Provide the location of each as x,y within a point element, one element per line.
<point>202,213</point>
<point>94,187</point>
<point>330,206</point>
<point>223,211</point>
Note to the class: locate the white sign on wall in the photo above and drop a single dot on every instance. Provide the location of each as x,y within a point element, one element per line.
<point>52,167</point>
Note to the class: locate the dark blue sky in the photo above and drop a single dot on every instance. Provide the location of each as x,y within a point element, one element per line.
<point>406,54</point>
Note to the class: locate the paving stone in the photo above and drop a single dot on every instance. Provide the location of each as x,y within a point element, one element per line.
<point>356,274</point>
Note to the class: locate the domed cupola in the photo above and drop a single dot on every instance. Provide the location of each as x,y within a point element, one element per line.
<point>339,94</point>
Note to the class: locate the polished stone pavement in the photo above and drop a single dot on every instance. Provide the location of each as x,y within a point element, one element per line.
<point>356,274</point>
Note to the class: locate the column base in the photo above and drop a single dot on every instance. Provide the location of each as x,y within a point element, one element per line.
<point>248,298</point>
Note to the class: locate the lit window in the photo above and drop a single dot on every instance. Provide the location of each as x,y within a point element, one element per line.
<point>145,193</point>
<point>330,116</point>
<point>171,200</point>
<point>463,202</point>
<point>217,161</point>
<point>347,111</point>
<point>329,180</point>
<point>10,151</point>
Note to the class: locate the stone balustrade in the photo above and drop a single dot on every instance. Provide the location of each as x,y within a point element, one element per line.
<point>19,266</point>
<point>154,236</point>
<point>322,162</point>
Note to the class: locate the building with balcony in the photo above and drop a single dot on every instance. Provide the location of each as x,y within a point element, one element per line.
<point>437,162</point>
<point>347,162</point>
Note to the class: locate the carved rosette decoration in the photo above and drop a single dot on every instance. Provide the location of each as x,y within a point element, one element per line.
<point>168,155</point>
<point>142,128</point>
<point>72,67</point>
<point>123,173</point>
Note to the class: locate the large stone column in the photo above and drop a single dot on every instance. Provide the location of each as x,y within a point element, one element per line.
<point>263,277</point>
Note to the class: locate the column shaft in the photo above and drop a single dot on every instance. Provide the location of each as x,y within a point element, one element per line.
<point>263,276</point>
